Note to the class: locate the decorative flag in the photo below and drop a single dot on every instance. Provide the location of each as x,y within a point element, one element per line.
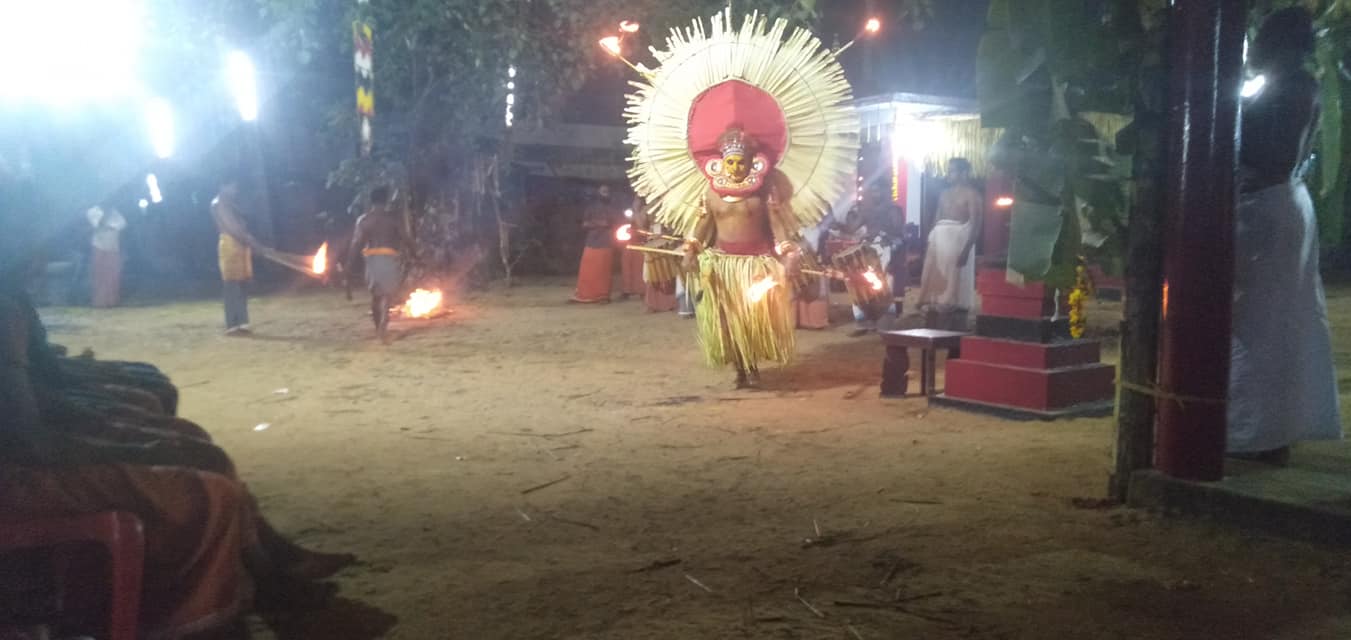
<point>362,39</point>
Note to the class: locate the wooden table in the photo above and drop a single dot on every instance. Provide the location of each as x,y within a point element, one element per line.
<point>896,364</point>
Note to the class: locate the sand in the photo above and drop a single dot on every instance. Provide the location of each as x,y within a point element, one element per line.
<point>680,509</point>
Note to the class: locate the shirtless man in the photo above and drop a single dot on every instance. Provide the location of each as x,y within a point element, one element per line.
<point>381,237</point>
<point>749,235</point>
<point>235,251</point>
<point>948,284</point>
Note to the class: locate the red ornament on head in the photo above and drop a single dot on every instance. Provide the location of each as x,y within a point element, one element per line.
<point>736,119</point>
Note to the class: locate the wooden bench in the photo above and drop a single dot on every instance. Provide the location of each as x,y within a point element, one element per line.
<point>896,364</point>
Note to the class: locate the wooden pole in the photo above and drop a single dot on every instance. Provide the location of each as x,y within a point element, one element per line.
<point>1134,448</point>
<point>1206,62</point>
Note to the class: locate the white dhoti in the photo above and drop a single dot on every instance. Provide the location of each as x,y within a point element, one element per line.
<point>944,286</point>
<point>1282,386</point>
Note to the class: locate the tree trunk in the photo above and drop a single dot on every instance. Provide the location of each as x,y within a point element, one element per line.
<point>1134,445</point>
<point>1140,325</point>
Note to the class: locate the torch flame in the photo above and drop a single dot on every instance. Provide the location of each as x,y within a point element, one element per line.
<point>757,291</point>
<point>628,26</point>
<point>320,263</point>
<point>611,45</point>
<point>873,279</point>
<point>421,303</point>
<point>624,233</point>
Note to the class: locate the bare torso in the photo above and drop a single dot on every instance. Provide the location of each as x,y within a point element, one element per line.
<point>381,230</point>
<point>960,203</point>
<point>740,220</point>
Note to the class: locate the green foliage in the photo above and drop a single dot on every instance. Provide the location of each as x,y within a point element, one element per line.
<point>1043,65</point>
<point>1042,68</point>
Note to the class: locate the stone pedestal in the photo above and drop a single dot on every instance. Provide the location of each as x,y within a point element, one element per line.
<point>1022,363</point>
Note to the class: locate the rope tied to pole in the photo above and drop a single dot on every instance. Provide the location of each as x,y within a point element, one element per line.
<point>1161,394</point>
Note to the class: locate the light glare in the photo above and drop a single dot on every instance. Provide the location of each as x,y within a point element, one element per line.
<point>159,118</point>
<point>152,183</point>
<point>239,72</point>
<point>1253,86</point>
<point>65,52</point>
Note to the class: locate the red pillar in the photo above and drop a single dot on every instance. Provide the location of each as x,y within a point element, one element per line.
<point>1206,60</point>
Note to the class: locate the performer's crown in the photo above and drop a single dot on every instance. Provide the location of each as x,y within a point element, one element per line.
<point>733,143</point>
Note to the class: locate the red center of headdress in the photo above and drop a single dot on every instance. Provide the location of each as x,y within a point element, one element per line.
<point>734,102</point>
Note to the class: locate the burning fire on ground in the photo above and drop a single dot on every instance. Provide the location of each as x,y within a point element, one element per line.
<point>423,303</point>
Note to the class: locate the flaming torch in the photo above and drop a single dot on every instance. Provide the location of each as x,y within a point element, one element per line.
<point>757,291</point>
<point>422,303</point>
<point>873,279</point>
<point>319,264</point>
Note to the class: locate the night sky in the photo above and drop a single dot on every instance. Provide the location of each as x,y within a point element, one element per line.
<point>937,57</point>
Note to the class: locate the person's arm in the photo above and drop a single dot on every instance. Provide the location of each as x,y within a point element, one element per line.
<point>231,225</point>
<point>694,240</point>
<point>354,250</point>
<point>976,215</point>
<point>783,229</point>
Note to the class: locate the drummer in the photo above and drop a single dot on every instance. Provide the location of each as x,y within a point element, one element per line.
<point>868,224</point>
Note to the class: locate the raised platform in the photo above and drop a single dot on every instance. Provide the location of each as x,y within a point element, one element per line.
<point>1091,410</point>
<point>1029,389</point>
<point>1308,500</point>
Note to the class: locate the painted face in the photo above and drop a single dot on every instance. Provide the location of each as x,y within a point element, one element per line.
<point>737,167</point>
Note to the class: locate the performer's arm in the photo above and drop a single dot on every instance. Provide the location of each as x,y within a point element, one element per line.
<point>358,241</point>
<point>784,229</point>
<point>694,241</point>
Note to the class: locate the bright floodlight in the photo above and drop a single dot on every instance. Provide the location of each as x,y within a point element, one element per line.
<point>914,139</point>
<point>66,52</point>
<point>143,203</point>
<point>239,73</point>
<point>159,120</point>
<point>1003,202</point>
<point>1253,86</point>
<point>873,26</point>
<point>152,183</point>
<point>511,72</point>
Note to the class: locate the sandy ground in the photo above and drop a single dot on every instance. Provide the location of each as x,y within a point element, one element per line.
<point>682,509</point>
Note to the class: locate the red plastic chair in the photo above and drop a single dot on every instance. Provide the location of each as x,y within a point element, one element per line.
<point>118,532</point>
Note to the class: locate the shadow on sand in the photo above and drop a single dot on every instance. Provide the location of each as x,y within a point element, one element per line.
<point>345,619</point>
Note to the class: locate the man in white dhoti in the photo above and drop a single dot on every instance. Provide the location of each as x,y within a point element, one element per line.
<point>947,286</point>
<point>1282,385</point>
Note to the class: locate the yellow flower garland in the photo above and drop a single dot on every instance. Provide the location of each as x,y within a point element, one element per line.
<point>1078,295</point>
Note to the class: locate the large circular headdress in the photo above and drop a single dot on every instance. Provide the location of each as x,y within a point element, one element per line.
<point>789,95</point>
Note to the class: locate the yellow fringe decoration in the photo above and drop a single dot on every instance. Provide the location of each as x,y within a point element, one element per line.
<point>802,75</point>
<point>733,329</point>
<point>964,137</point>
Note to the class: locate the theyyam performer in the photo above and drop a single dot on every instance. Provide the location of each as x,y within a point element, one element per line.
<point>742,137</point>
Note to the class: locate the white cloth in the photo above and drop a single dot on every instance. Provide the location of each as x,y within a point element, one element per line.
<point>108,226</point>
<point>1282,385</point>
<point>944,286</point>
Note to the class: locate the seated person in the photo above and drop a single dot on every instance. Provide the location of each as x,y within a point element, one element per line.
<point>73,449</point>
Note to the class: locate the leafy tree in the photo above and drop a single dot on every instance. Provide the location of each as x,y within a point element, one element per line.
<point>1046,67</point>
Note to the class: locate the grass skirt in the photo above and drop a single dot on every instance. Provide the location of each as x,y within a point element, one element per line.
<point>732,328</point>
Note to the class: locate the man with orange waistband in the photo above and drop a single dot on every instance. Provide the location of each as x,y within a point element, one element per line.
<point>379,237</point>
